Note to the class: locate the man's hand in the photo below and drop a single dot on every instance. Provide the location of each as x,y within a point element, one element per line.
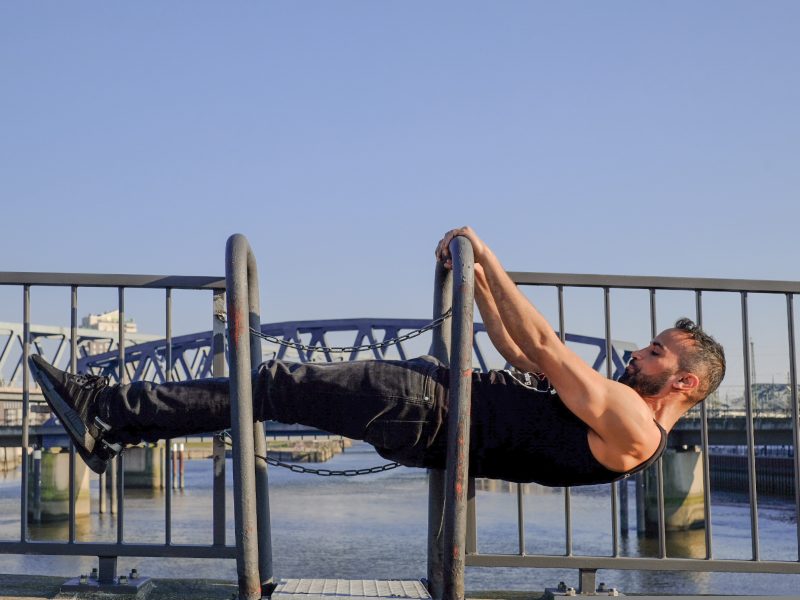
<point>443,248</point>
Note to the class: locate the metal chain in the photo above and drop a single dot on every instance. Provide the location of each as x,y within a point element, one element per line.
<point>347,349</point>
<point>294,468</point>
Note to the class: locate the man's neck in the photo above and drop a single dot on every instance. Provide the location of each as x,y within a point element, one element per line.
<point>666,409</point>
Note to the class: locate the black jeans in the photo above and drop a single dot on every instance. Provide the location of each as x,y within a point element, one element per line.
<point>397,406</point>
<point>520,430</point>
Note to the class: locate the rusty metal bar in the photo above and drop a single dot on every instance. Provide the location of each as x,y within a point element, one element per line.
<point>241,277</point>
<point>440,349</point>
<point>751,451</point>
<point>458,421</point>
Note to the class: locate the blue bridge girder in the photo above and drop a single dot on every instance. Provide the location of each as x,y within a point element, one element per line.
<point>192,356</point>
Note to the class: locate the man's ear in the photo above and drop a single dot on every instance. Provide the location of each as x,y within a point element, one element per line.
<point>687,382</point>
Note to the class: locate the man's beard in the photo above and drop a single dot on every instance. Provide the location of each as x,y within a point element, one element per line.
<point>644,385</point>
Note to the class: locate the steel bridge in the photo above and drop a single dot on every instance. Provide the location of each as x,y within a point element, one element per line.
<point>146,355</point>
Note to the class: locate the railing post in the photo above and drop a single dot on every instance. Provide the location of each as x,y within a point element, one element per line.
<point>243,312</point>
<point>458,419</point>
<point>440,349</point>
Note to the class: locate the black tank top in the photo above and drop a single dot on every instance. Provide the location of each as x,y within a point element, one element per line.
<point>524,433</point>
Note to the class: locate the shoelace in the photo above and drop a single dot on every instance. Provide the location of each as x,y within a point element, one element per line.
<point>91,382</point>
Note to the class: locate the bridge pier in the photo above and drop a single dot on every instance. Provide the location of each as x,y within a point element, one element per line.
<point>10,458</point>
<point>683,492</point>
<point>48,492</point>
<point>144,467</point>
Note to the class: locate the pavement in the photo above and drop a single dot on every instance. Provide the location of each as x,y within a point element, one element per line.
<point>43,587</point>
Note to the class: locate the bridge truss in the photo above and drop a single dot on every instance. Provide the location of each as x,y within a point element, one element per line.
<point>146,355</point>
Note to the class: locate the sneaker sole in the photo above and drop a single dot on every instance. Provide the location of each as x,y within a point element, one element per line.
<point>71,422</point>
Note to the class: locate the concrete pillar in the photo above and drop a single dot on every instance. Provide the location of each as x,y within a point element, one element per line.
<point>48,492</point>
<point>683,491</point>
<point>143,466</point>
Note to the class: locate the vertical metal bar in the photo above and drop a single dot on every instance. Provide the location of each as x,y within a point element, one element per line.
<point>259,437</point>
<point>239,266</point>
<point>440,349</point>
<point>588,582</point>
<point>751,453</point>
<point>471,545</point>
<point>795,414</point>
<point>73,368</point>
<point>567,491</point>
<point>218,370</point>
<point>623,508</point>
<point>609,374</point>
<point>662,534</point>
<point>520,520</point>
<point>455,513</point>
<point>123,380</point>
<point>101,492</point>
<point>168,441</point>
<point>26,395</point>
<point>704,448</point>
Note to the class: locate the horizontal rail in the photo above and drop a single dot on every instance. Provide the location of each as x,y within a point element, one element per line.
<point>112,280</point>
<point>60,548</point>
<point>519,277</point>
<point>632,563</point>
<point>656,283</point>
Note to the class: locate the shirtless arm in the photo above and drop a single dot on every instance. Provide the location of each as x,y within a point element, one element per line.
<point>621,422</point>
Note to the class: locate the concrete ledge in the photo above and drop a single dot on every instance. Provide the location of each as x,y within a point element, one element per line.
<point>41,587</point>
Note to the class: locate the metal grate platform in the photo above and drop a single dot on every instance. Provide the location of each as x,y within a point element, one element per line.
<point>324,589</point>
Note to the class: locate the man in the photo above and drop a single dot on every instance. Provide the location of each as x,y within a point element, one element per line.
<point>578,429</point>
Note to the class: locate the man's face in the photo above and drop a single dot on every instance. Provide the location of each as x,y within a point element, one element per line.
<point>655,367</point>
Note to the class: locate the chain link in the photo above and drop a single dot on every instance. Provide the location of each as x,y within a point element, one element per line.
<point>347,349</point>
<point>294,468</point>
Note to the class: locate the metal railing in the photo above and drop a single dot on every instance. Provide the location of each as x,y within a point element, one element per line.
<point>109,551</point>
<point>588,565</point>
<point>451,547</point>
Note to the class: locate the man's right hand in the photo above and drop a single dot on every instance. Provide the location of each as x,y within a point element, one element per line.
<point>443,248</point>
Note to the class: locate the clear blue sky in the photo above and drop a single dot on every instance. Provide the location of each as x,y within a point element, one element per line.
<point>344,137</point>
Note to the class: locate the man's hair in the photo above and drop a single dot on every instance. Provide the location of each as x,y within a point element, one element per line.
<point>706,358</point>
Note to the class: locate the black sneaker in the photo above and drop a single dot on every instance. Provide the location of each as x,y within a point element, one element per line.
<point>73,400</point>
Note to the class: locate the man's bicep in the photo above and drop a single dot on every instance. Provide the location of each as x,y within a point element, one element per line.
<point>583,390</point>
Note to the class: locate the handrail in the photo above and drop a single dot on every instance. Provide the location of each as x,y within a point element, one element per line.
<point>109,551</point>
<point>737,289</point>
<point>765,286</point>
<point>458,420</point>
<point>186,282</point>
<point>253,549</point>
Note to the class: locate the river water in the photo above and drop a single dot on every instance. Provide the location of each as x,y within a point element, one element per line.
<point>375,526</point>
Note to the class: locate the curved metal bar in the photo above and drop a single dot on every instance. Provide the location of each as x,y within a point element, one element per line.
<point>458,419</point>
<point>440,349</point>
<point>242,283</point>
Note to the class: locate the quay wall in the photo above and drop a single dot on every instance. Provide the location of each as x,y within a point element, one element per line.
<point>774,474</point>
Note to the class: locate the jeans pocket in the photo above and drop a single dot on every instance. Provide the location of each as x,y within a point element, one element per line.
<point>395,435</point>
